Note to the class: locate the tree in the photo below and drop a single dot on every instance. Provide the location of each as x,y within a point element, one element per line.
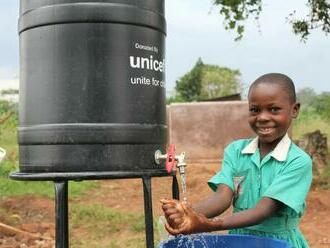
<point>236,12</point>
<point>188,87</point>
<point>205,81</point>
<point>219,81</point>
<point>9,92</point>
<point>306,96</point>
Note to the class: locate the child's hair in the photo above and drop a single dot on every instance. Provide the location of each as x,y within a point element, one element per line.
<point>277,78</point>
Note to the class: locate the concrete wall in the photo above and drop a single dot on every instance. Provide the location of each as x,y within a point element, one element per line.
<point>203,129</point>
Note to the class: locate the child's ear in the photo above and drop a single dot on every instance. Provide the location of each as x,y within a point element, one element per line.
<point>295,110</point>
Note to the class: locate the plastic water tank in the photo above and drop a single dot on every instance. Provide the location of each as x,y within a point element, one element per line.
<point>92,85</point>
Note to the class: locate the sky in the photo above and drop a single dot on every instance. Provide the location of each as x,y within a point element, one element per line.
<point>195,29</point>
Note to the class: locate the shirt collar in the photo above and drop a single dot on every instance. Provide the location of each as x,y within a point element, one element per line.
<point>280,152</point>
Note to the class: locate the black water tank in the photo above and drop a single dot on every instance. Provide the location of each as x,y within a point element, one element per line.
<point>92,85</point>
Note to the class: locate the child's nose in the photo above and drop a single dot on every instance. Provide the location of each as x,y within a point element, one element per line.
<point>263,116</point>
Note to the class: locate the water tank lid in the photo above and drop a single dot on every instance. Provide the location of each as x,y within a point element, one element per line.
<point>91,12</point>
<point>151,5</point>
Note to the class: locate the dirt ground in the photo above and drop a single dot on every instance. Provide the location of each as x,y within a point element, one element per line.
<point>36,215</point>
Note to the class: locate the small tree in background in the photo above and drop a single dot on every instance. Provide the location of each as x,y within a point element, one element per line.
<point>306,96</point>
<point>205,81</point>
<point>314,104</point>
<point>188,87</point>
<point>219,81</point>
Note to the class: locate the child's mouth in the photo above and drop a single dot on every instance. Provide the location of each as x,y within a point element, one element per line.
<point>265,130</point>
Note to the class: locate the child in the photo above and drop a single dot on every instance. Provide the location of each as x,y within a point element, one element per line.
<point>266,178</point>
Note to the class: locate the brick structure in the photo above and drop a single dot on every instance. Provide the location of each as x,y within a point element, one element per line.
<point>203,129</point>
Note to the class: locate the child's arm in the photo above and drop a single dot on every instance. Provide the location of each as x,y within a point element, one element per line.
<point>265,208</point>
<point>186,220</point>
<point>217,203</point>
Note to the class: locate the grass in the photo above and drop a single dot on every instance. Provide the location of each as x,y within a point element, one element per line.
<point>307,122</point>
<point>8,140</point>
<point>128,242</point>
<point>108,220</point>
<point>105,227</point>
<point>44,189</point>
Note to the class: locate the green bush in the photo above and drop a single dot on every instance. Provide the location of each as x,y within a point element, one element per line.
<point>5,107</point>
<point>321,104</point>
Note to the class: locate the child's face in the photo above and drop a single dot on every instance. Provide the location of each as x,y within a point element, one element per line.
<point>271,112</point>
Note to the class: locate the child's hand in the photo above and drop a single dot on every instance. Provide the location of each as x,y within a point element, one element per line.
<point>173,212</point>
<point>182,219</point>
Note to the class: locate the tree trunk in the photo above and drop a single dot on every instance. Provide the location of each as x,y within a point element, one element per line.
<point>315,144</point>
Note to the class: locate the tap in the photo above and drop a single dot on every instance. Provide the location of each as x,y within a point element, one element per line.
<point>172,161</point>
<point>181,163</point>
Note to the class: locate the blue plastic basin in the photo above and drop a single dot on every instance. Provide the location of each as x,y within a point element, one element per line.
<point>223,241</point>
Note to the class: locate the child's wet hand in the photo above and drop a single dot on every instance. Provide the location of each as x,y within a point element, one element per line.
<point>173,212</point>
<point>170,205</point>
<point>189,222</point>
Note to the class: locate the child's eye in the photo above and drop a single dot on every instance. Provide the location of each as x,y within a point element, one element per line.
<point>274,109</point>
<point>254,110</point>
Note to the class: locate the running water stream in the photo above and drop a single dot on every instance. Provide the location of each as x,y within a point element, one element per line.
<point>181,167</point>
<point>184,187</point>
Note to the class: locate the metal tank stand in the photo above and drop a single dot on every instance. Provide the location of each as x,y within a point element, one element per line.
<point>61,214</point>
<point>61,180</point>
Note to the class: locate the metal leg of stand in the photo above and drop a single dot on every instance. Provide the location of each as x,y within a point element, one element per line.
<point>61,214</point>
<point>148,212</point>
<point>175,188</point>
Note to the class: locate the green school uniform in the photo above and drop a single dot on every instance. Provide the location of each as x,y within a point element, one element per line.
<point>285,174</point>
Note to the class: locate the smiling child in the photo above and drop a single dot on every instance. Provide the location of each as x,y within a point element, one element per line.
<point>266,179</point>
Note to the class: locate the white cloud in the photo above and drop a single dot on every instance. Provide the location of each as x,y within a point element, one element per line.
<point>7,72</point>
<point>8,78</point>
<point>9,83</point>
<point>190,16</point>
